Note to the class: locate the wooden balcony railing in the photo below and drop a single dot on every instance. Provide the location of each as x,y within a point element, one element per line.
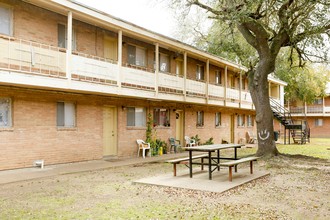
<point>40,59</point>
<point>31,57</point>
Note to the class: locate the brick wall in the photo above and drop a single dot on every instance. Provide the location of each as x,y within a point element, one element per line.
<point>34,134</point>
<point>319,131</point>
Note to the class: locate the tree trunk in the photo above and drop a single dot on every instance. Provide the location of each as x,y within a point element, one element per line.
<point>259,89</point>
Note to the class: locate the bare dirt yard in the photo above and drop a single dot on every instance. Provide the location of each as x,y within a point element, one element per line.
<point>297,188</point>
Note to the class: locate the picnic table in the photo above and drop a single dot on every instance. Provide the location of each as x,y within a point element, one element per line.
<point>213,161</point>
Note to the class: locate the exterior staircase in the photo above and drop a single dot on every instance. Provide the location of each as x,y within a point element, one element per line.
<point>297,129</point>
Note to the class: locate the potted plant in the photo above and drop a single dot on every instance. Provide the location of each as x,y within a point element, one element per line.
<point>196,139</point>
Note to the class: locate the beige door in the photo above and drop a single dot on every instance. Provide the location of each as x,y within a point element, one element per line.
<point>179,126</point>
<point>232,129</point>
<point>109,131</point>
<point>111,48</point>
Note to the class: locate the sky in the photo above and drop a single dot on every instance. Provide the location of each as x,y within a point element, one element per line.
<point>150,14</point>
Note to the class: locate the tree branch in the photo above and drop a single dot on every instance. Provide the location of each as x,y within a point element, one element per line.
<point>206,7</point>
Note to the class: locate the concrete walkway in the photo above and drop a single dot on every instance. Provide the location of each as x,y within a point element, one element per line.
<point>200,180</point>
<point>9,176</point>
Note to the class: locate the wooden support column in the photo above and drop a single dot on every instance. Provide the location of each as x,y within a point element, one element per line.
<point>240,89</point>
<point>226,84</point>
<point>69,46</point>
<point>120,57</point>
<point>185,75</point>
<point>156,68</point>
<point>207,80</point>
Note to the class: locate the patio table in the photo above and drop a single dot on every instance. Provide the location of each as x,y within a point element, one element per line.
<point>215,159</point>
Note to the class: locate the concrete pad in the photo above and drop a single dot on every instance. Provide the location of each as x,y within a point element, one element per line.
<point>200,179</point>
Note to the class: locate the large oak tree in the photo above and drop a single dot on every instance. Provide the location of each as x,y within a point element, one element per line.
<point>268,26</point>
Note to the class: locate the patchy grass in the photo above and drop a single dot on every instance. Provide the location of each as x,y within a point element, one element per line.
<point>297,188</point>
<point>318,148</point>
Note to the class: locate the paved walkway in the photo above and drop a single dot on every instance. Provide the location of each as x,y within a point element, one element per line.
<point>9,176</point>
<point>200,180</point>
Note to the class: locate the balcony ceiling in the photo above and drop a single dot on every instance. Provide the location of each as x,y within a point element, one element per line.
<point>103,20</point>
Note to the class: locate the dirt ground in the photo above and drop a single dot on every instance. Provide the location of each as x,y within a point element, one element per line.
<point>297,188</point>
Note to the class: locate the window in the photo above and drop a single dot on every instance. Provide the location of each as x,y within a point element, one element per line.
<point>200,72</point>
<point>318,122</point>
<point>179,68</point>
<point>217,119</point>
<point>136,55</point>
<point>318,101</point>
<point>231,81</point>
<point>249,120</point>
<point>218,77</point>
<point>136,117</point>
<point>161,117</point>
<point>66,114</point>
<point>5,21</point>
<point>200,118</point>
<point>63,37</point>
<point>240,120</point>
<point>243,84</point>
<point>164,63</point>
<point>5,113</point>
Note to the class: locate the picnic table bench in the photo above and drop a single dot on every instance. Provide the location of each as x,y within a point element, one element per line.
<point>185,160</point>
<point>234,163</point>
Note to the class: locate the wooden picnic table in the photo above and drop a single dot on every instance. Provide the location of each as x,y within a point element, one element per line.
<point>213,161</point>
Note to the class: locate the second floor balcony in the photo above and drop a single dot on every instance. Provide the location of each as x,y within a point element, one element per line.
<point>310,110</point>
<point>32,64</point>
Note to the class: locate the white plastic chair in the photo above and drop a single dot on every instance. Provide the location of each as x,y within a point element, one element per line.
<point>189,142</point>
<point>143,146</point>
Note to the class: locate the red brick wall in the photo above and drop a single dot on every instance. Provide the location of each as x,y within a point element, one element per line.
<point>327,101</point>
<point>34,134</point>
<point>33,23</point>
<point>319,131</point>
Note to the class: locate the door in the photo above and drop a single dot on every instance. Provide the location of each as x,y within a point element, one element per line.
<point>232,129</point>
<point>179,126</point>
<point>110,48</point>
<point>109,131</point>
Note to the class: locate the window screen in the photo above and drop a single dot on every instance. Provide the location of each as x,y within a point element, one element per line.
<point>200,118</point>
<point>136,117</point>
<point>217,119</point>
<point>62,37</point>
<point>240,120</point>
<point>66,114</point>
<point>164,63</point>
<point>5,21</point>
<point>140,57</point>
<point>218,77</point>
<point>5,112</point>
<point>200,72</point>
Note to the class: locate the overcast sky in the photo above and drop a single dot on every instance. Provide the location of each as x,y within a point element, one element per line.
<point>150,14</point>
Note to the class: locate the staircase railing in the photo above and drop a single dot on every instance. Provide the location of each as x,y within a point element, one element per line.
<point>280,112</point>
<point>299,132</point>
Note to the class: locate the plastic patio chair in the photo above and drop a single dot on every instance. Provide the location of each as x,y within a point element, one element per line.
<point>189,142</point>
<point>174,144</point>
<point>143,146</point>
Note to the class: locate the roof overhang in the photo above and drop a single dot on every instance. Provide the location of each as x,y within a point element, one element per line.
<point>271,78</point>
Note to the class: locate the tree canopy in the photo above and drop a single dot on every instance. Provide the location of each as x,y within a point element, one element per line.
<point>268,26</point>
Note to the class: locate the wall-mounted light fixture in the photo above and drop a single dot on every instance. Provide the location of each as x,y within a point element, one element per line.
<point>123,108</point>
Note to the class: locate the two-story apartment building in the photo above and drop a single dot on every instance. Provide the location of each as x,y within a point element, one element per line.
<point>316,114</point>
<point>77,84</point>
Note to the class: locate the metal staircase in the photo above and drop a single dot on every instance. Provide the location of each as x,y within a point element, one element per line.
<point>298,129</point>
